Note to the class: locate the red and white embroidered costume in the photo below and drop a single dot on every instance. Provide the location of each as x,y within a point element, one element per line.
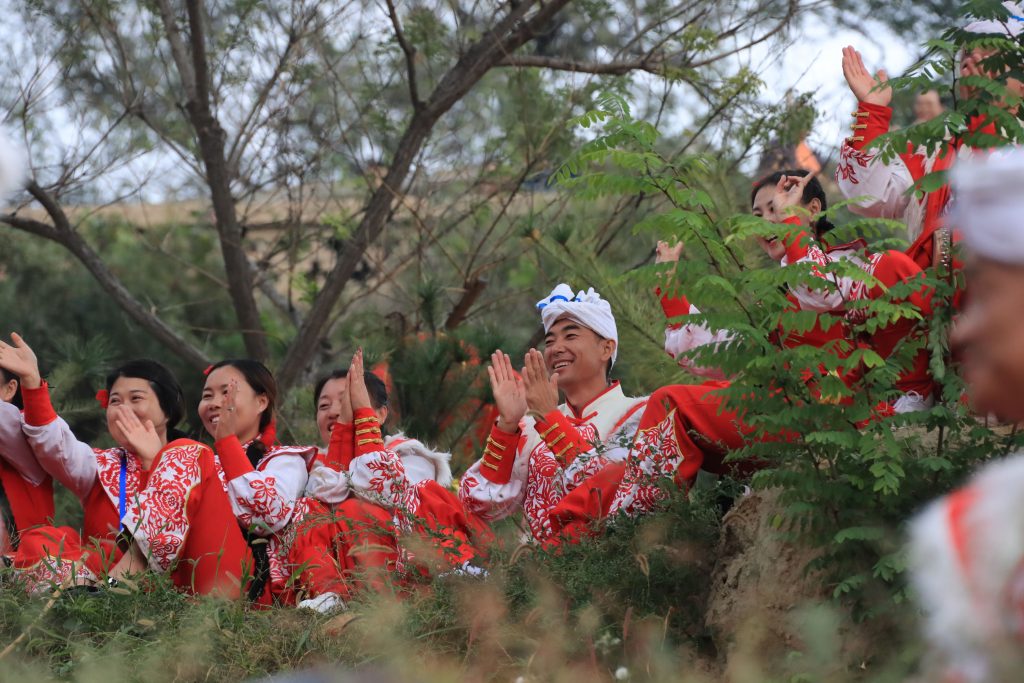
<point>686,428</point>
<point>177,512</point>
<point>29,489</point>
<point>268,502</point>
<point>534,469</point>
<point>387,487</point>
<point>884,188</point>
<point>967,561</point>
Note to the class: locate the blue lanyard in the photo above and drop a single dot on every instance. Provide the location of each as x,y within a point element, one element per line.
<point>122,494</point>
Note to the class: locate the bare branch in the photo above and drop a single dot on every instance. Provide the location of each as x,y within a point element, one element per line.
<point>211,145</point>
<point>618,68</point>
<point>510,33</point>
<point>178,50</point>
<point>410,56</point>
<point>62,233</point>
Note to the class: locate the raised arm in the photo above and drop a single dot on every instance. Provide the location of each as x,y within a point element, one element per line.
<point>495,485</point>
<point>14,447</point>
<point>681,338</point>
<point>375,473</point>
<point>881,187</point>
<point>55,447</point>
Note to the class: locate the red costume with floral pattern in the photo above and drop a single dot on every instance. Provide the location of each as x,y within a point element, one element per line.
<point>29,489</point>
<point>176,512</point>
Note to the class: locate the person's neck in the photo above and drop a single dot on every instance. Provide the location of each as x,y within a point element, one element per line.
<point>249,435</point>
<point>578,396</point>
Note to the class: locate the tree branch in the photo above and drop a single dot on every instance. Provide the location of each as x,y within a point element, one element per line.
<point>64,234</point>
<point>618,68</point>
<point>510,33</point>
<point>410,56</point>
<point>212,149</point>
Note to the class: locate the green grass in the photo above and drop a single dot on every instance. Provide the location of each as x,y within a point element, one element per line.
<point>633,598</point>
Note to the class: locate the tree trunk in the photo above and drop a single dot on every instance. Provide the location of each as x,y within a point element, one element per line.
<point>513,31</point>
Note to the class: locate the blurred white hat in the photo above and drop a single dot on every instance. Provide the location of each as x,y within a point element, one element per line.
<point>988,204</point>
<point>1011,27</point>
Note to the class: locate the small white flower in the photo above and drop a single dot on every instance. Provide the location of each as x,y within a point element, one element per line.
<point>622,674</point>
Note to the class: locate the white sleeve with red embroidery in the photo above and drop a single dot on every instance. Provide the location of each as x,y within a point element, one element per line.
<point>157,517</point>
<point>63,456</point>
<point>14,447</point>
<point>491,501</point>
<point>264,500</point>
<point>841,288</point>
<point>327,484</point>
<point>380,478</point>
<point>690,336</point>
<point>880,188</point>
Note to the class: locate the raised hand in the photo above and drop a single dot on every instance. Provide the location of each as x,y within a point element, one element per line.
<point>345,405</point>
<point>862,82</point>
<point>541,390</point>
<point>789,192</point>
<point>665,253</point>
<point>140,438</point>
<point>359,397</point>
<point>20,360</point>
<point>227,422</point>
<point>509,392</point>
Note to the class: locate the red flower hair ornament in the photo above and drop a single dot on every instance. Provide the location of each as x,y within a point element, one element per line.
<point>103,398</point>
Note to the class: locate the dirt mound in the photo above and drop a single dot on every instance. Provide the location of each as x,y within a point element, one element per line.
<point>764,606</point>
<point>757,581</point>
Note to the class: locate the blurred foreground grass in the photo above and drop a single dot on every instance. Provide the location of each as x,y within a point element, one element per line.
<point>629,606</point>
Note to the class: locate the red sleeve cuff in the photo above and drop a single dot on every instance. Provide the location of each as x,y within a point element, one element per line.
<point>673,306</point>
<point>368,438</point>
<point>561,437</point>
<point>499,455</point>
<point>39,410</point>
<point>798,242</point>
<point>869,121</point>
<point>341,448</point>
<point>232,457</point>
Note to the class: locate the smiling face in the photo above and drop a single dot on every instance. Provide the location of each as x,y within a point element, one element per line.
<point>138,395</point>
<point>249,405</point>
<point>576,353</point>
<point>329,407</point>
<point>764,207</point>
<point>990,333</point>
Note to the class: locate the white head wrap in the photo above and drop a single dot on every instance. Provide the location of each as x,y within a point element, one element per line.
<point>988,204</point>
<point>12,166</point>
<point>1011,27</point>
<point>586,307</point>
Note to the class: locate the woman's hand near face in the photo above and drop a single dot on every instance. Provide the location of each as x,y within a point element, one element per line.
<point>20,360</point>
<point>358,394</point>
<point>665,253</point>
<point>789,192</point>
<point>227,420</point>
<point>140,438</point>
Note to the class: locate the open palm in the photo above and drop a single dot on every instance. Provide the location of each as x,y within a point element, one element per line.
<point>862,82</point>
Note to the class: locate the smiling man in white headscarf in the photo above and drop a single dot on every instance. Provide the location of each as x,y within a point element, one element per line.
<point>967,549</point>
<point>539,451</point>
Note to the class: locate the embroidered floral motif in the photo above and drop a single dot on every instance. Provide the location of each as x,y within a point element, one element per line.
<point>655,455</point>
<point>157,516</point>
